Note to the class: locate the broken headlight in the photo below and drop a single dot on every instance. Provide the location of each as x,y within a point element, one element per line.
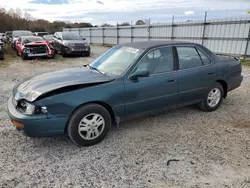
<point>27,108</point>
<point>30,109</point>
<point>26,50</point>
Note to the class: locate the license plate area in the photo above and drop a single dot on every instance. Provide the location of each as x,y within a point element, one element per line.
<point>36,55</point>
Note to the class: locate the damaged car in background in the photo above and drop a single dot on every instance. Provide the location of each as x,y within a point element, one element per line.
<point>69,43</point>
<point>128,80</point>
<point>16,34</point>
<point>49,38</point>
<point>34,46</point>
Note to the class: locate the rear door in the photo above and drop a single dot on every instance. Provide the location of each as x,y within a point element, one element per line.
<point>195,73</point>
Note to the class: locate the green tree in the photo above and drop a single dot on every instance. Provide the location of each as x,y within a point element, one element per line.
<point>140,22</point>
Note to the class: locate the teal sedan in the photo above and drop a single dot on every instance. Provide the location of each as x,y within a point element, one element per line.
<point>127,81</point>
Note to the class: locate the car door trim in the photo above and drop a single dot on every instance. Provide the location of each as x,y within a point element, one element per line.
<point>150,99</point>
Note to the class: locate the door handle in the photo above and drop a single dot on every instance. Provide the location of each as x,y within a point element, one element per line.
<point>171,80</point>
<point>210,73</point>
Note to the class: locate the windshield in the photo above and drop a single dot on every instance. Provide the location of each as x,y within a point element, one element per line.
<point>48,37</point>
<point>22,33</point>
<point>42,34</point>
<point>71,36</point>
<point>116,60</point>
<point>8,33</point>
<point>32,39</point>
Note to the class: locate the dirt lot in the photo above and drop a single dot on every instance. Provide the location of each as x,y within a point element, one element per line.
<point>206,149</point>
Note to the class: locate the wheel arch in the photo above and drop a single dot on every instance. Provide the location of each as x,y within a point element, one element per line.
<point>101,103</point>
<point>224,85</point>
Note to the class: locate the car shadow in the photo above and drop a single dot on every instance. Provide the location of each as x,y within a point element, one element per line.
<point>139,123</point>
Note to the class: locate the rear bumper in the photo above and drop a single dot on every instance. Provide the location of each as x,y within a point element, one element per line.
<point>37,125</point>
<point>235,83</point>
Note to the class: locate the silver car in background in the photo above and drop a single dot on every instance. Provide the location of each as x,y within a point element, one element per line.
<point>69,43</point>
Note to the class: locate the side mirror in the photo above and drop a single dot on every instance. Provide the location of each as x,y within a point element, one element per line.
<point>139,73</point>
<point>83,38</point>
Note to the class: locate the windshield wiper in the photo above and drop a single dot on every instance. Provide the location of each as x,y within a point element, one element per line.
<point>96,69</point>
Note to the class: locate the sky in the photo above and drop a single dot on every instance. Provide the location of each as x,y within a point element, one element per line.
<point>113,11</point>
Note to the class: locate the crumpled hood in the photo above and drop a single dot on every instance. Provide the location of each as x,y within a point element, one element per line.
<point>30,89</point>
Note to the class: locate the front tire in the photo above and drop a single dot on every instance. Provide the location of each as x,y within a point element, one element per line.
<point>24,57</point>
<point>87,54</point>
<point>213,98</point>
<point>63,52</point>
<point>89,125</point>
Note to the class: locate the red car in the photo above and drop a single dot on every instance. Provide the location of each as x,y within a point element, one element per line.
<point>34,46</point>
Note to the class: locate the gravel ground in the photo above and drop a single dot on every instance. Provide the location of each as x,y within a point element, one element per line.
<point>181,148</point>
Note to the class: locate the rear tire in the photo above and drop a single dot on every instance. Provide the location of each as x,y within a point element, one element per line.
<point>89,125</point>
<point>213,98</point>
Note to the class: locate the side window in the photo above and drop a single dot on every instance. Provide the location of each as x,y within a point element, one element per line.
<point>158,61</point>
<point>55,35</point>
<point>154,54</point>
<point>204,58</point>
<point>188,57</point>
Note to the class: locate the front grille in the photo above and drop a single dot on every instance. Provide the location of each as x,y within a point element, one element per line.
<point>79,46</point>
<point>37,49</point>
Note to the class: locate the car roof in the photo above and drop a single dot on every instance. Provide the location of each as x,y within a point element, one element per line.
<point>155,43</point>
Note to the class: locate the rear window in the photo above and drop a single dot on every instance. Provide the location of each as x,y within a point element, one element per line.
<point>8,33</point>
<point>22,33</point>
<point>48,37</point>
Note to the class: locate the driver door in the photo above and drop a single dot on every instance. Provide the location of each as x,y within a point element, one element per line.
<point>157,91</point>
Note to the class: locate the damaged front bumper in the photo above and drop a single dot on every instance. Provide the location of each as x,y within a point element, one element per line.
<point>36,125</point>
<point>38,51</point>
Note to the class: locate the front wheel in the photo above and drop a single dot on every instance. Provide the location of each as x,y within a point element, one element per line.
<point>213,98</point>
<point>23,56</point>
<point>63,52</point>
<point>89,125</point>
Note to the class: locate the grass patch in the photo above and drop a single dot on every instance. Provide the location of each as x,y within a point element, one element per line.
<point>9,55</point>
<point>8,49</point>
<point>245,62</point>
